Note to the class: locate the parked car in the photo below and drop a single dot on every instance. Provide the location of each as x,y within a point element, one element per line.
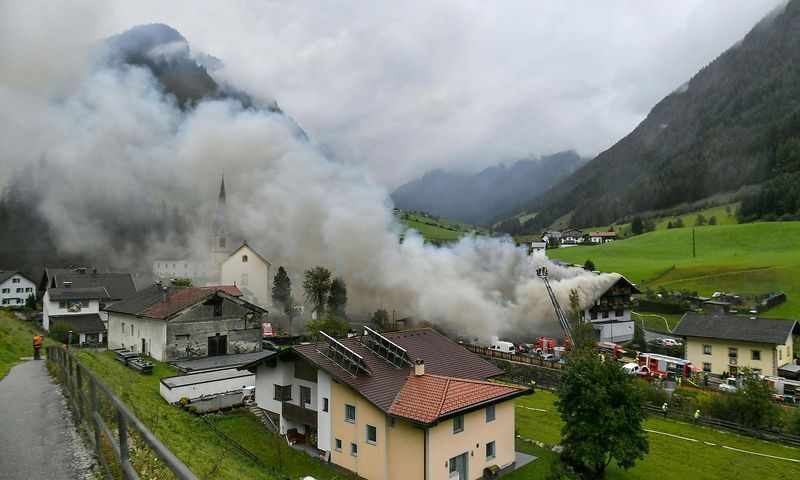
<point>631,368</point>
<point>731,385</point>
<point>526,348</point>
<point>505,347</point>
<point>548,356</point>
<point>671,342</point>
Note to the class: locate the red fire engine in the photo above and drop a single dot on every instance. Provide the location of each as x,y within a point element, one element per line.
<point>662,366</point>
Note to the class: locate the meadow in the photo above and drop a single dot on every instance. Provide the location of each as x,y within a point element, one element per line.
<point>16,340</point>
<point>440,229</point>
<point>748,259</point>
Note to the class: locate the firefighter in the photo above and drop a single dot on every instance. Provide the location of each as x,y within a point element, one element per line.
<point>696,416</point>
<point>533,386</point>
<point>37,346</point>
<point>664,409</point>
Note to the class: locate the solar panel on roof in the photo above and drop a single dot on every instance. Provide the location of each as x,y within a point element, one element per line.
<point>385,348</point>
<point>339,354</point>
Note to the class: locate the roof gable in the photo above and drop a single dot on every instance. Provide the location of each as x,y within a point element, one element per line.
<point>162,303</point>
<point>774,331</point>
<point>249,249</point>
<point>7,274</point>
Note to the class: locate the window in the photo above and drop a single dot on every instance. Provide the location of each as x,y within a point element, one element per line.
<point>338,445</point>
<point>244,258</point>
<point>5,301</point>
<point>780,354</point>
<point>706,349</point>
<point>490,413</point>
<point>131,330</point>
<point>324,404</point>
<point>15,280</point>
<point>354,449</point>
<point>6,290</point>
<point>489,451</point>
<point>283,393</point>
<point>245,279</point>
<point>173,265</point>
<point>222,242</point>
<point>19,290</point>
<point>458,466</point>
<point>218,309</point>
<point>733,352</point>
<point>28,289</point>
<point>594,315</point>
<point>618,312</point>
<point>706,367</point>
<point>372,434</point>
<point>756,354</point>
<point>123,328</point>
<point>458,424</point>
<point>305,395</point>
<point>349,413</point>
<point>19,300</point>
<point>605,314</point>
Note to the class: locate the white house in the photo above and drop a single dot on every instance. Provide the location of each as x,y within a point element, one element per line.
<point>79,308</point>
<point>117,285</point>
<point>610,314</point>
<point>538,247</point>
<point>249,271</point>
<point>15,288</point>
<point>602,237</point>
<point>181,323</point>
<point>572,237</point>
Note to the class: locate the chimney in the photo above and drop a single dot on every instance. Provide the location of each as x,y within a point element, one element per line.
<point>164,293</point>
<point>419,367</point>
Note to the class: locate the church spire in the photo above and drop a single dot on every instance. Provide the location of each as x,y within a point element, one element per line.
<point>221,217</point>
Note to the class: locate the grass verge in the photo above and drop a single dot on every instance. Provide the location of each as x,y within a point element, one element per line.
<point>16,340</point>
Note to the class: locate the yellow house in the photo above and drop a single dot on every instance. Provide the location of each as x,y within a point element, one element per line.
<point>367,407</point>
<point>725,344</point>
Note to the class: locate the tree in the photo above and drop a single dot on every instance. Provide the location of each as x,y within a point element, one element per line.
<point>575,313</point>
<point>334,326</point>
<point>30,302</point>
<point>291,309</point>
<point>700,220</point>
<point>380,317</point>
<point>755,405</point>
<point>281,287</point>
<point>317,286</point>
<point>337,298</point>
<point>649,225</point>
<point>603,412</point>
<point>589,265</point>
<point>182,282</point>
<point>639,340</point>
<point>59,332</point>
<point>678,223</point>
<point>712,220</point>
<point>669,224</point>
<point>636,226</point>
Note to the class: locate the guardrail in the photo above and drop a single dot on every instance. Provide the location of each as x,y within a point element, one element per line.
<point>90,400</point>
<point>513,357</point>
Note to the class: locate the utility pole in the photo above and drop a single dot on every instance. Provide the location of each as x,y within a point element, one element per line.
<point>693,244</point>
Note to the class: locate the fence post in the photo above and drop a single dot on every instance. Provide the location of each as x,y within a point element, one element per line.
<point>92,411</point>
<point>80,393</point>
<point>123,440</point>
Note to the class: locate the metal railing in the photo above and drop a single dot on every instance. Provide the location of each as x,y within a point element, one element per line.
<point>514,357</point>
<point>90,400</point>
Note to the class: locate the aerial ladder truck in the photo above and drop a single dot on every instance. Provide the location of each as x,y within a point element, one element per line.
<point>541,272</point>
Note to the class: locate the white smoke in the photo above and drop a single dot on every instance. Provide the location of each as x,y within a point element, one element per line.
<point>115,138</point>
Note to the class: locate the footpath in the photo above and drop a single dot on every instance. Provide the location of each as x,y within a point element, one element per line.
<point>37,440</point>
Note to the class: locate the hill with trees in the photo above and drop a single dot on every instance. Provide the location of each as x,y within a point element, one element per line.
<point>733,128</point>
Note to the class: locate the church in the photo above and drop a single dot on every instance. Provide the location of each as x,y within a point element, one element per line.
<point>227,263</point>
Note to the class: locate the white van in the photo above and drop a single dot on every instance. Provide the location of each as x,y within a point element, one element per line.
<point>506,347</point>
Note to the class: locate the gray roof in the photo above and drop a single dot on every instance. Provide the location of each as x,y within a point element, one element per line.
<point>730,327</point>
<point>93,293</point>
<point>82,323</point>
<point>118,285</point>
<point>203,377</point>
<point>220,362</point>
<point>141,299</point>
<point>6,274</point>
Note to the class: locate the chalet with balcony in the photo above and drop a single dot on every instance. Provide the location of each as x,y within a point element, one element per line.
<point>610,313</point>
<point>409,404</point>
<point>596,238</point>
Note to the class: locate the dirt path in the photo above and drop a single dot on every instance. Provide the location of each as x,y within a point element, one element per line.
<point>37,440</point>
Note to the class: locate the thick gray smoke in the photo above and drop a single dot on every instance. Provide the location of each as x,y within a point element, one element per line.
<point>110,137</point>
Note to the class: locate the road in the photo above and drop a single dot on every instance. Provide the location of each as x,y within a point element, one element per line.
<point>36,438</point>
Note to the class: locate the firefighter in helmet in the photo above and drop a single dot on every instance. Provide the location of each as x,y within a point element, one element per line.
<point>37,346</point>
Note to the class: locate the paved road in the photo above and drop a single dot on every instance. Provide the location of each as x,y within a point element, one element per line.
<point>36,438</point>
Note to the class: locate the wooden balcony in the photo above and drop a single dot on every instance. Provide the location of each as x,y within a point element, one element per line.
<point>300,415</point>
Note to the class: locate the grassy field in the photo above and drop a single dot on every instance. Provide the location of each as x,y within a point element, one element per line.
<point>677,450</point>
<point>16,340</point>
<point>438,229</point>
<point>657,322</point>
<point>189,438</point>
<point>748,259</point>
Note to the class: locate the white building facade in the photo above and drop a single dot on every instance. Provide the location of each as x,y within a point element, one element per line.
<point>15,289</point>
<point>249,271</point>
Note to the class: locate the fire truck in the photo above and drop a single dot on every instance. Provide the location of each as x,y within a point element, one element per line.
<point>784,390</point>
<point>664,367</point>
<point>611,349</point>
<point>545,345</point>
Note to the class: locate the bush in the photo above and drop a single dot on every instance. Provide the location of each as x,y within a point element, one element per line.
<point>59,332</point>
<point>652,393</point>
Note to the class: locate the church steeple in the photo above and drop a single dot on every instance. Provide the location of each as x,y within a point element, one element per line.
<point>220,236</point>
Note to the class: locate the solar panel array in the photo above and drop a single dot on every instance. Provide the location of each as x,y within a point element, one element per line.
<point>385,348</point>
<point>339,354</point>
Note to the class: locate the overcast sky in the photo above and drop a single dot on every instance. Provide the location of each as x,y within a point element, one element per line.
<point>400,88</point>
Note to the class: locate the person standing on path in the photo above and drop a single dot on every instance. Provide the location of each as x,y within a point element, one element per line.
<point>37,347</point>
<point>664,409</point>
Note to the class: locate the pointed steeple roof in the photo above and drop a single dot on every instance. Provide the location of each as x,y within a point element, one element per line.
<point>221,217</point>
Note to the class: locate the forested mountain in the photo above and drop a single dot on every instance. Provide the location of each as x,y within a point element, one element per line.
<point>735,124</point>
<point>488,195</point>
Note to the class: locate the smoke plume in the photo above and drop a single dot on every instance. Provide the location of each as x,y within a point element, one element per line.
<point>113,149</point>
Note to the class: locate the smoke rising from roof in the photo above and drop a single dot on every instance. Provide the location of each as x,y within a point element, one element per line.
<point>115,145</point>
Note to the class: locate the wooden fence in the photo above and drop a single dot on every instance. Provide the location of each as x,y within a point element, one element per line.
<point>514,357</point>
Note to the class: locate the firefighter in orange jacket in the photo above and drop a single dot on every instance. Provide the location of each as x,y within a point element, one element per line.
<point>37,346</point>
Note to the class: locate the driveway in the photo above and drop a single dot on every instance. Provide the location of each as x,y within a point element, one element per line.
<point>37,439</point>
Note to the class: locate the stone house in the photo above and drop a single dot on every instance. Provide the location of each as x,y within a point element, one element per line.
<point>178,323</point>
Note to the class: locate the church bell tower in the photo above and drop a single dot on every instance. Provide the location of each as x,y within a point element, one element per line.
<point>220,239</point>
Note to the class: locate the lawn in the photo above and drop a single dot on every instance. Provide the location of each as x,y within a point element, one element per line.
<point>186,435</point>
<point>437,229</point>
<point>749,259</point>
<point>670,457</point>
<point>16,340</point>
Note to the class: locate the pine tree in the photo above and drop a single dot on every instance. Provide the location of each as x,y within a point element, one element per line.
<point>281,287</point>
<point>337,299</point>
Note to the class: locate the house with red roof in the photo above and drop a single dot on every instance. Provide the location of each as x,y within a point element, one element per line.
<point>172,323</point>
<point>398,405</point>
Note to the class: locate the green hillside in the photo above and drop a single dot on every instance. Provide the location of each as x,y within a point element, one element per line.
<point>16,340</point>
<point>748,259</point>
<point>435,228</point>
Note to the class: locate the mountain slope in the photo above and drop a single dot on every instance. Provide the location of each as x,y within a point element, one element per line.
<point>733,125</point>
<point>485,196</point>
